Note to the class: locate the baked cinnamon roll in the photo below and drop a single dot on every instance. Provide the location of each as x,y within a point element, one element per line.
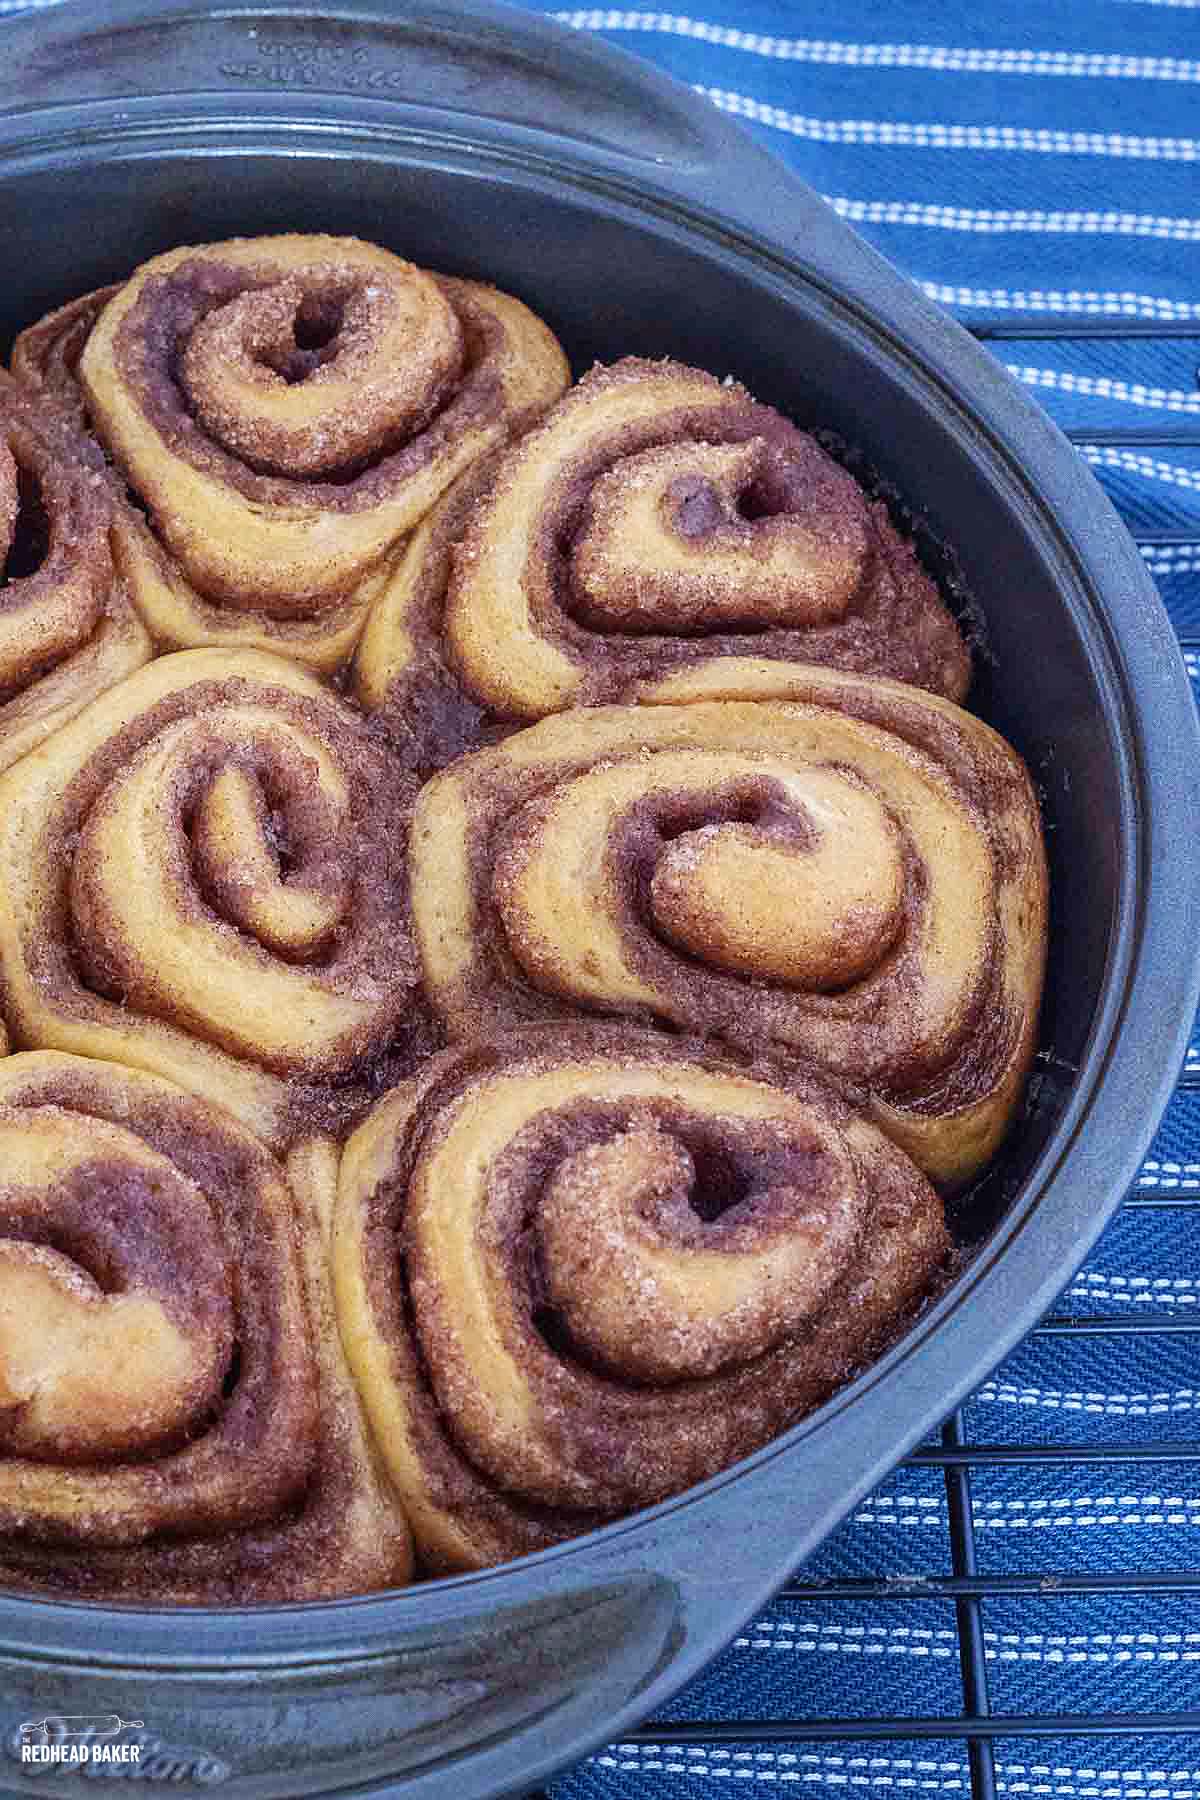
<point>284,411</point>
<point>67,629</point>
<point>660,517</point>
<point>578,1270</point>
<point>852,875</point>
<point>176,1418</point>
<point>203,874</point>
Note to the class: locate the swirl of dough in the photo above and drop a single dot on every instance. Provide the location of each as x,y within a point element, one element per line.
<point>67,630</point>
<point>176,1420</point>
<point>402,672</point>
<point>46,354</point>
<point>852,875</point>
<point>284,410</point>
<point>578,1270</point>
<point>203,874</point>
<point>659,517</point>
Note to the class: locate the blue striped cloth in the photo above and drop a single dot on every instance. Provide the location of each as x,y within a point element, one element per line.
<point>1018,161</point>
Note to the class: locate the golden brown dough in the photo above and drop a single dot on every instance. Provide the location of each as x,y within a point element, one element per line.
<point>176,1419</point>
<point>849,872</point>
<point>403,672</point>
<point>67,629</point>
<point>203,874</point>
<point>579,1269</point>
<point>285,410</point>
<point>657,518</point>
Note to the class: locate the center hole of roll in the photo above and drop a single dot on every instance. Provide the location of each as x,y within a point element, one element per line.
<point>279,839</point>
<point>318,321</point>
<point>316,331</point>
<point>719,1183</point>
<point>738,812</point>
<point>731,805</point>
<point>551,1327</point>
<point>775,490</point>
<point>755,801</point>
<point>756,502</point>
<point>30,543</point>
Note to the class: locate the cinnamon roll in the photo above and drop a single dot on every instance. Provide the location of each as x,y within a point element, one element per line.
<point>852,875</point>
<point>659,517</point>
<point>203,874</point>
<point>176,1419</point>
<point>67,629</point>
<point>578,1270</point>
<point>284,411</point>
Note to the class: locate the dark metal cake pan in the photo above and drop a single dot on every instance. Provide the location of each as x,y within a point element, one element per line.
<point>483,141</point>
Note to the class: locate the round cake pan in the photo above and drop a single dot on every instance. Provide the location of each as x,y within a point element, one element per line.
<point>486,142</point>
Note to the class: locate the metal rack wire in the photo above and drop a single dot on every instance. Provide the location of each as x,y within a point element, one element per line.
<point>980,1724</point>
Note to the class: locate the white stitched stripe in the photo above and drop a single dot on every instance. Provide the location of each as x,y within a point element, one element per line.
<point>1120,1296</point>
<point>888,56</point>
<point>1105,387</point>
<point>1023,1515</point>
<point>1111,1647</point>
<point>1161,1290</point>
<point>912,1773</point>
<point>1136,462</point>
<point>1083,1400</point>
<point>1175,559</point>
<point>990,220</point>
<point>1083,1522</point>
<point>1155,1174</point>
<point>1089,301</point>
<point>935,135</point>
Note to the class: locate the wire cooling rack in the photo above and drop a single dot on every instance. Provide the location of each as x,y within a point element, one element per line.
<point>966,1742</point>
